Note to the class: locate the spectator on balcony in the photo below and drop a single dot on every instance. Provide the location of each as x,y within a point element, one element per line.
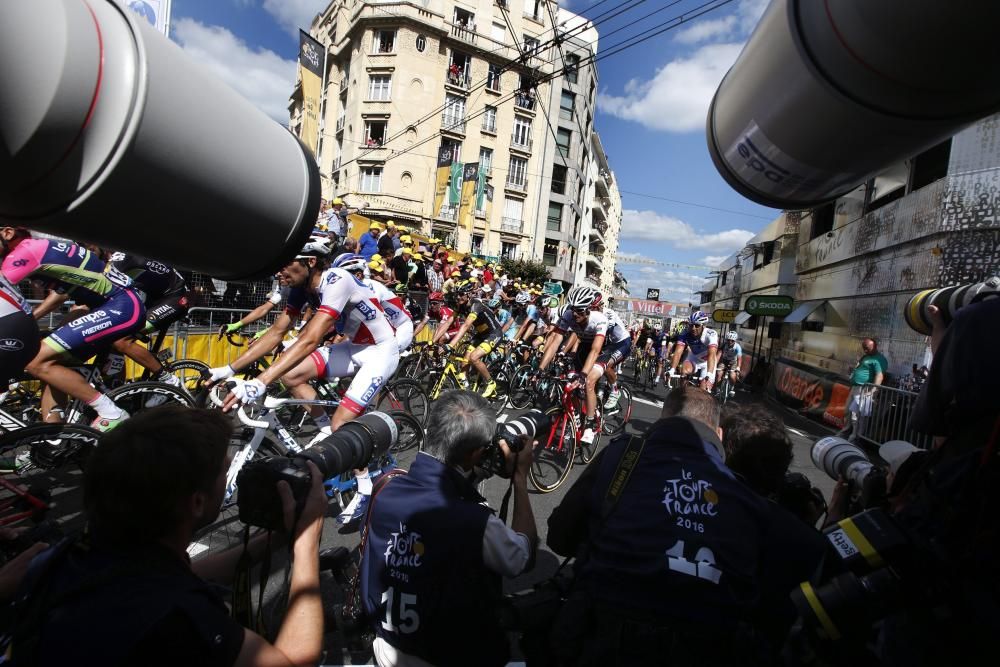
<point>867,374</point>
<point>454,73</point>
<point>368,243</point>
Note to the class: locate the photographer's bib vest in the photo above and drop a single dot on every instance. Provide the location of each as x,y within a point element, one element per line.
<point>684,541</point>
<point>423,581</point>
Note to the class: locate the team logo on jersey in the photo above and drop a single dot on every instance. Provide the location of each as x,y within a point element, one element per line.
<point>366,310</point>
<point>371,390</point>
<point>19,262</point>
<point>10,345</point>
<point>404,548</point>
<point>157,267</point>
<point>332,277</point>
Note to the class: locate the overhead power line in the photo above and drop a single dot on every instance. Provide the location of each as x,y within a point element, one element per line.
<point>691,203</point>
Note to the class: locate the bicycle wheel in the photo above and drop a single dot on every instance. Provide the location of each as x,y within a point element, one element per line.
<point>226,531</point>
<point>522,390</point>
<point>404,395</point>
<point>445,383</point>
<point>722,390</point>
<point>190,372</point>
<point>554,454</point>
<point>409,440</point>
<point>49,458</point>
<point>617,417</point>
<point>135,397</point>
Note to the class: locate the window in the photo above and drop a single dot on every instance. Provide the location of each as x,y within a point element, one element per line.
<point>930,165</point>
<point>530,45</point>
<point>371,179</point>
<point>379,87</point>
<point>463,18</point>
<point>566,104</point>
<point>559,174</point>
<point>550,252</point>
<point>477,244</point>
<point>493,78</point>
<point>522,131</point>
<point>374,133</point>
<point>385,41</point>
<point>485,160</point>
<point>563,138</point>
<point>554,223</point>
<point>572,67</point>
<point>822,220</point>
<point>421,43</point>
<point>888,186</point>
<point>508,250</point>
<point>762,256</point>
<point>454,111</point>
<point>536,11</point>
<point>517,173</point>
<point>499,32</point>
<point>490,119</point>
<point>513,214</point>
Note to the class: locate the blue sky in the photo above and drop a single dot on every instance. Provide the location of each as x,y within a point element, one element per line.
<point>651,114</point>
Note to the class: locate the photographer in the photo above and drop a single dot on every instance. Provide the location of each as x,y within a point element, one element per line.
<point>672,575</point>
<point>434,553</point>
<point>126,593</point>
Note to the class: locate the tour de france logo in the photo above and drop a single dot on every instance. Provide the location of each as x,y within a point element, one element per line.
<point>310,53</point>
<point>404,548</point>
<point>690,501</point>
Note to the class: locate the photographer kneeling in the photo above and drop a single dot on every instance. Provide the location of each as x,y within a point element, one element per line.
<point>434,553</point>
<point>126,593</point>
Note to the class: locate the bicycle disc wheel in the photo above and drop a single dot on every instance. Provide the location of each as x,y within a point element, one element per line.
<point>135,397</point>
<point>554,454</point>
<point>409,440</point>
<point>404,395</point>
<point>617,417</point>
<point>50,457</point>
<point>190,372</point>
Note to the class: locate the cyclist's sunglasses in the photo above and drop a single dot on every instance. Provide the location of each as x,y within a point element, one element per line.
<point>580,311</point>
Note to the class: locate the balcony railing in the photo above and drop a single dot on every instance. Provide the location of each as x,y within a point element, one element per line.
<point>517,183</point>
<point>465,32</point>
<point>459,79</point>
<point>343,84</point>
<point>449,212</point>
<point>522,101</point>
<point>336,163</point>
<point>490,125</point>
<point>511,225</point>
<point>520,143</point>
<point>340,123</point>
<point>452,123</point>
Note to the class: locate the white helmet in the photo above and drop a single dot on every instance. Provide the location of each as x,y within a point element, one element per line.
<point>351,263</point>
<point>316,246</point>
<point>732,335</point>
<point>582,296</point>
<point>522,298</point>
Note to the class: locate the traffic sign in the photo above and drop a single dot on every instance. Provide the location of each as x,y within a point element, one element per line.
<point>652,294</point>
<point>554,289</point>
<point>769,304</point>
<point>725,316</point>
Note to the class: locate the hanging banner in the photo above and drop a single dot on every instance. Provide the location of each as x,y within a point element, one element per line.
<point>489,205</point>
<point>466,210</point>
<point>660,308</point>
<point>441,178</point>
<point>311,56</point>
<point>154,12</point>
<point>455,184</point>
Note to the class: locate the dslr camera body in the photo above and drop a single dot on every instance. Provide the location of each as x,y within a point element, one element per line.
<point>512,432</point>
<point>352,446</point>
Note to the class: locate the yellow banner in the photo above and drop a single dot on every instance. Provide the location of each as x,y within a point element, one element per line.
<point>441,182</point>
<point>467,207</point>
<point>311,55</point>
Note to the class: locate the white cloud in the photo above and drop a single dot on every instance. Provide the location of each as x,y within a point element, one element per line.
<point>703,31</point>
<point>261,76</point>
<point>295,14</point>
<point>676,98</point>
<point>653,226</point>
<point>713,260</point>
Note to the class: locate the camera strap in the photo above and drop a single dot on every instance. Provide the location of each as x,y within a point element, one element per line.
<point>243,607</point>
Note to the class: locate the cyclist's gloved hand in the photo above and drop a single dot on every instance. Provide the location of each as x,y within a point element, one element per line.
<point>234,327</point>
<point>220,373</point>
<point>249,391</point>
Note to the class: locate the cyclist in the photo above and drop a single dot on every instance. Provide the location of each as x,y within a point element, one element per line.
<point>702,345</point>
<point>486,328</point>
<point>538,321</point>
<point>659,340</point>
<point>277,295</point>
<point>116,311</point>
<point>602,344</point>
<point>441,309</point>
<point>391,302</point>
<point>732,357</point>
<point>519,313</point>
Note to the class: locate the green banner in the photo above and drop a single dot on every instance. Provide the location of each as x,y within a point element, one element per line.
<point>769,304</point>
<point>455,186</point>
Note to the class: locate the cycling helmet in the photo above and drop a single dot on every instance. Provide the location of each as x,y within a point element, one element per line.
<point>350,262</point>
<point>436,296</point>
<point>657,326</point>
<point>522,299</point>
<point>401,288</point>
<point>598,302</point>
<point>582,296</point>
<point>465,287</point>
<point>732,335</point>
<point>316,246</point>
<point>698,317</point>
<point>494,302</point>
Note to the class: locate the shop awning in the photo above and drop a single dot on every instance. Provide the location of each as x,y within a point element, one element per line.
<point>803,311</point>
<point>741,319</point>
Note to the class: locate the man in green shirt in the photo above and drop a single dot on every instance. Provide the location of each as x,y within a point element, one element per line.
<point>870,370</point>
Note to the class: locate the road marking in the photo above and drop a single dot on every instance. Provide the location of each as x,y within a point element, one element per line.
<point>196,548</point>
<point>797,432</point>
<point>655,404</point>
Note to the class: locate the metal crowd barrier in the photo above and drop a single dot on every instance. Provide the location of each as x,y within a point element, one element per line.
<point>888,417</point>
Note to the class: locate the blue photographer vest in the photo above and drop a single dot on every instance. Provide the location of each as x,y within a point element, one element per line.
<point>423,581</point>
<point>684,541</point>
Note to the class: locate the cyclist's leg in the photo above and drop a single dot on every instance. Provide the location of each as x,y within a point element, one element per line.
<point>476,359</point>
<point>159,316</point>
<point>20,344</point>
<point>610,357</point>
<point>593,377</point>
<point>404,335</point>
<point>297,381</point>
<point>139,355</point>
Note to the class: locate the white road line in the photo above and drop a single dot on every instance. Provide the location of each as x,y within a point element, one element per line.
<point>655,404</point>
<point>797,432</point>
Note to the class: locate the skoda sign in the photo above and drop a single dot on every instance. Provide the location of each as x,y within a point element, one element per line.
<point>772,304</point>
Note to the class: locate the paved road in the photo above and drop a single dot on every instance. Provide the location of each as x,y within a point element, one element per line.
<point>646,410</point>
